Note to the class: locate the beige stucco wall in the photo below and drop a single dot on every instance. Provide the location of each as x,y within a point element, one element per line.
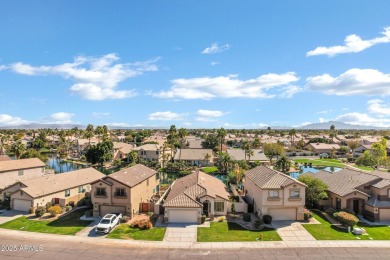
<point>143,192</point>
<point>8,178</point>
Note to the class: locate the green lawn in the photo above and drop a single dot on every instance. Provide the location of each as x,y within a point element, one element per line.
<point>366,168</point>
<point>229,232</point>
<point>325,231</point>
<point>321,162</point>
<point>210,169</point>
<point>68,225</point>
<point>124,231</point>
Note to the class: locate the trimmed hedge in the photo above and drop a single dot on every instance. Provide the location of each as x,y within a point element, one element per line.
<point>267,219</point>
<point>307,214</point>
<point>346,218</point>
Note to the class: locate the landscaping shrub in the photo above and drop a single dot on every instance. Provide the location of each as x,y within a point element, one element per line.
<point>346,218</point>
<point>258,224</point>
<point>142,224</point>
<point>330,211</point>
<point>40,211</point>
<point>31,210</point>
<point>125,219</point>
<point>88,202</point>
<point>350,211</point>
<point>267,219</point>
<point>48,205</point>
<point>68,208</point>
<point>233,208</point>
<point>81,202</point>
<point>247,217</point>
<point>70,203</point>
<point>307,214</point>
<point>89,213</point>
<point>203,219</point>
<point>54,210</point>
<point>221,219</point>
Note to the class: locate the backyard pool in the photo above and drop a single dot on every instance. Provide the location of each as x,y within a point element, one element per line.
<point>314,169</point>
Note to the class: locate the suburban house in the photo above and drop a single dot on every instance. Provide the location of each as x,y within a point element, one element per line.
<point>124,191</point>
<point>121,150</point>
<point>322,148</point>
<point>12,171</point>
<point>195,157</point>
<point>367,194</point>
<point>63,189</point>
<point>152,153</point>
<point>193,195</point>
<point>366,147</point>
<point>274,193</point>
<point>193,142</point>
<point>81,144</point>
<point>239,154</point>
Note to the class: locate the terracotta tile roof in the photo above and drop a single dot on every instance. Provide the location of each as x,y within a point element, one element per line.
<point>193,154</point>
<point>133,175</point>
<point>13,165</point>
<point>188,189</point>
<point>239,154</point>
<point>385,179</point>
<point>148,147</point>
<point>375,202</point>
<point>123,147</point>
<point>49,184</point>
<point>267,178</point>
<point>4,158</point>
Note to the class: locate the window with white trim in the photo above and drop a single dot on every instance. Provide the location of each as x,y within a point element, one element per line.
<point>273,194</point>
<point>295,194</point>
<point>67,193</point>
<point>219,206</point>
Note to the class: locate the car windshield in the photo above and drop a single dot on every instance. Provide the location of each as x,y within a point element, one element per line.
<point>105,221</point>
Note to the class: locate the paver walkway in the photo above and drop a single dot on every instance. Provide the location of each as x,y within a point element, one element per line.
<point>181,233</point>
<point>292,231</point>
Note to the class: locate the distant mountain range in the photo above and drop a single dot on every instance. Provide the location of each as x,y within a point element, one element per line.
<point>325,125</point>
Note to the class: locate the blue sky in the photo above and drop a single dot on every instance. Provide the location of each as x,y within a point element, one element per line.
<point>195,63</point>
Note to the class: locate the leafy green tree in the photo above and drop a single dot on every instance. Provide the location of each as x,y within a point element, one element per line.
<point>316,188</point>
<point>273,150</point>
<point>18,149</point>
<point>301,143</point>
<point>132,157</point>
<point>32,153</point>
<point>366,159</point>
<point>380,151</point>
<point>353,144</point>
<point>40,141</point>
<point>256,144</point>
<point>283,164</point>
<point>211,142</point>
<point>100,153</point>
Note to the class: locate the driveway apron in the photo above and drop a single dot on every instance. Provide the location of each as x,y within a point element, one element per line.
<point>181,233</point>
<point>292,231</point>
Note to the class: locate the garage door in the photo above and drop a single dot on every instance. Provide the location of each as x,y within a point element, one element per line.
<point>182,216</point>
<point>384,214</point>
<point>111,209</point>
<point>22,205</point>
<point>283,214</point>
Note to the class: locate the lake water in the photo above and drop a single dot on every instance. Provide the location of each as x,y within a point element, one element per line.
<point>61,166</point>
<point>314,169</point>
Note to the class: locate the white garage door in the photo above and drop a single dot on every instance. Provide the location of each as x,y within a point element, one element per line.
<point>384,214</point>
<point>283,214</point>
<point>111,209</point>
<point>182,216</point>
<point>22,205</point>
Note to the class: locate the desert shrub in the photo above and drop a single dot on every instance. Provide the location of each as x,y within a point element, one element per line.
<point>54,210</point>
<point>31,210</point>
<point>350,211</point>
<point>221,219</point>
<point>40,211</point>
<point>142,224</point>
<point>48,205</point>
<point>307,214</point>
<point>125,219</point>
<point>68,208</point>
<point>246,217</point>
<point>267,219</point>
<point>330,211</point>
<point>88,202</point>
<point>70,203</point>
<point>203,219</point>
<point>346,218</point>
<point>258,224</point>
<point>89,213</point>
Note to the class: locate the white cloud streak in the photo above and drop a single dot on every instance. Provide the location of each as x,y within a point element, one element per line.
<point>376,106</point>
<point>8,120</point>
<point>215,48</point>
<point>352,43</point>
<point>166,116</point>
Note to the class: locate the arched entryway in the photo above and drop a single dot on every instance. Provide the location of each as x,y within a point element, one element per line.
<point>356,204</point>
<point>206,207</point>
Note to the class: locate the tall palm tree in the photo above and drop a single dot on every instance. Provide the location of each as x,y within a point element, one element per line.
<point>89,133</point>
<point>18,149</point>
<point>292,133</point>
<point>224,161</point>
<point>182,134</point>
<point>250,153</point>
<point>283,164</point>
<point>172,138</point>
<point>245,146</point>
<point>221,133</point>
<point>99,131</point>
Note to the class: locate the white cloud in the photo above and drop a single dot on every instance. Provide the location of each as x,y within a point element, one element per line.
<point>11,120</point>
<point>353,43</point>
<point>302,124</point>
<point>324,111</point>
<point>215,48</point>
<point>117,124</point>
<point>100,114</point>
<point>96,77</point>
<point>208,115</point>
<point>352,82</point>
<point>3,67</point>
<point>250,126</point>
<point>166,116</point>
<point>356,118</point>
<point>213,63</point>
<point>376,106</point>
<point>290,91</point>
<point>59,118</point>
<point>322,120</point>
<point>228,87</point>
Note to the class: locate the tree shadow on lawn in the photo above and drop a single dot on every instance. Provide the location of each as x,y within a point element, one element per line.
<point>71,220</point>
<point>234,226</point>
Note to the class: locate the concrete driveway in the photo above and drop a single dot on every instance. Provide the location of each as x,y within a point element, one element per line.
<point>290,230</point>
<point>9,215</point>
<point>89,231</point>
<point>181,233</point>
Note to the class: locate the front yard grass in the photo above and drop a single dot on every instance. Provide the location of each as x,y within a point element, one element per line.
<point>230,232</point>
<point>68,225</point>
<point>321,162</point>
<point>124,231</point>
<point>210,169</point>
<point>325,231</point>
<point>365,168</point>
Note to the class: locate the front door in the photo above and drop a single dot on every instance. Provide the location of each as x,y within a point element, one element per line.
<point>356,206</point>
<point>206,208</point>
<point>56,201</point>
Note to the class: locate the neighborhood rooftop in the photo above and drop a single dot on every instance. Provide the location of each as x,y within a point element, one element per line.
<point>133,175</point>
<point>21,164</point>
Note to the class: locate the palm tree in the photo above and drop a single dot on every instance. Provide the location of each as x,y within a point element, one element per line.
<point>283,164</point>
<point>99,131</point>
<point>89,133</point>
<point>172,138</point>
<point>250,153</point>
<point>182,134</point>
<point>224,161</point>
<point>292,133</point>
<point>18,149</point>
<point>221,133</point>
<point>245,147</point>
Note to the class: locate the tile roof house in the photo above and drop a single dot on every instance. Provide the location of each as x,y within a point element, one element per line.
<point>193,195</point>
<point>121,150</point>
<point>322,148</point>
<point>239,154</point>
<point>198,157</point>
<point>153,153</point>
<point>364,193</point>
<point>124,191</point>
<point>274,193</point>
<point>63,189</point>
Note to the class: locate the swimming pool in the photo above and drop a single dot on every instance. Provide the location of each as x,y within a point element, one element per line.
<point>314,169</point>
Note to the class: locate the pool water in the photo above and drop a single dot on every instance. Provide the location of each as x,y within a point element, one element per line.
<point>314,169</point>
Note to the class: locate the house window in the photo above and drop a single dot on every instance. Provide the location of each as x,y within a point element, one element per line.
<point>120,192</point>
<point>219,206</point>
<point>81,189</point>
<point>273,194</point>
<point>143,152</point>
<point>157,152</point>
<point>67,193</point>
<point>100,191</point>
<point>338,203</point>
<point>157,176</point>
<point>366,187</point>
<point>20,173</point>
<point>294,194</point>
